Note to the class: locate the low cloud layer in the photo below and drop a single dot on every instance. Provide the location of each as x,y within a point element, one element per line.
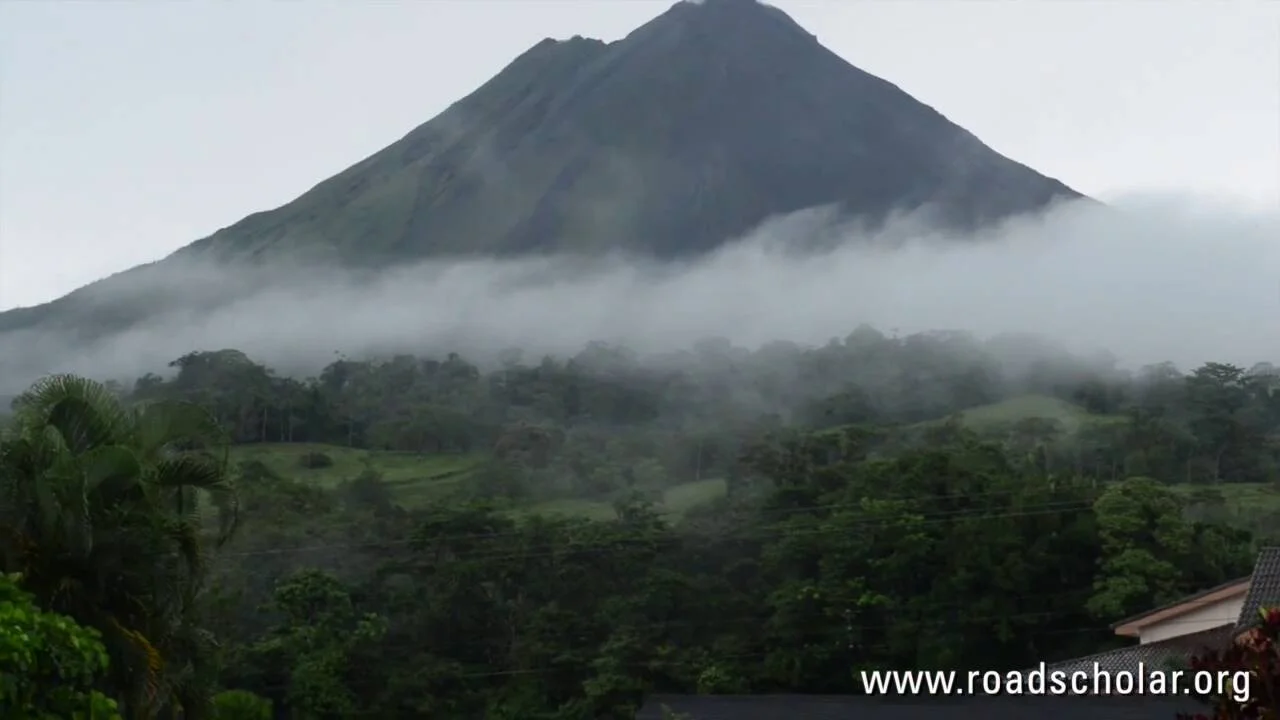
<point>1150,279</point>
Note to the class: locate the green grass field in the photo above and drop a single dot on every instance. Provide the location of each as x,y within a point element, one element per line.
<point>415,478</point>
<point>418,480</point>
<point>1026,406</point>
<point>1248,506</point>
<point>1072,417</point>
<point>676,501</point>
<point>1243,499</point>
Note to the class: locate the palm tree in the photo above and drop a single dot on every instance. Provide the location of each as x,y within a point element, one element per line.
<point>100,511</point>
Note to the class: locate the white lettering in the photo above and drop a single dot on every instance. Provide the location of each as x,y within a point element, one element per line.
<point>1042,681</point>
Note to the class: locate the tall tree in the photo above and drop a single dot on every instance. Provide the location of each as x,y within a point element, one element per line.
<point>100,512</point>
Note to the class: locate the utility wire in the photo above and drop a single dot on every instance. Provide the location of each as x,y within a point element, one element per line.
<point>841,633</point>
<point>907,519</point>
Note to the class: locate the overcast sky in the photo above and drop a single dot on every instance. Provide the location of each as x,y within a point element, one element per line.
<point>131,128</point>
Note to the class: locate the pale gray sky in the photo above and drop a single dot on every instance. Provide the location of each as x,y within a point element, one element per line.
<point>130,128</point>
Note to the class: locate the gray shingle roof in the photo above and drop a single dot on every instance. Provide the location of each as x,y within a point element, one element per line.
<point>1154,656</point>
<point>844,707</point>
<point>1264,589</point>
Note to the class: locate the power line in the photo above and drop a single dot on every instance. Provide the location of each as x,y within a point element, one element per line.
<point>1054,508</point>
<point>770,512</point>
<point>521,532</point>
<point>840,633</point>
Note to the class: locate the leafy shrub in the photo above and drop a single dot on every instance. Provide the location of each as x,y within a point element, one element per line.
<point>48,663</point>
<point>367,491</point>
<point>1254,659</point>
<point>241,705</point>
<point>315,460</point>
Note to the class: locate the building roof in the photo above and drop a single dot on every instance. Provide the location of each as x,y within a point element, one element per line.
<point>1264,590</point>
<point>1153,656</point>
<point>842,707</point>
<point>1131,626</point>
<point>1261,589</point>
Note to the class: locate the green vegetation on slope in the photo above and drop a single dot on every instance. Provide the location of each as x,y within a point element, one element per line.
<point>416,480</point>
<point>583,146</point>
<point>673,503</point>
<point>327,466</point>
<point>574,126</point>
<point>424,537</point>
<point>396,468</point>
<point>1069,415</point>
<point>1254,507</point>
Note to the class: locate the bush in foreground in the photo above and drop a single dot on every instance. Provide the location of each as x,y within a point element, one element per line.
<point>48,663</point>
<point>1257,654</point>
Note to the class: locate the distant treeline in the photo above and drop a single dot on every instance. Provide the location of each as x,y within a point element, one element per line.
<point>1218,423</point>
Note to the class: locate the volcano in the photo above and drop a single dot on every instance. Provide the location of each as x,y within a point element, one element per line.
<point>668,143</point>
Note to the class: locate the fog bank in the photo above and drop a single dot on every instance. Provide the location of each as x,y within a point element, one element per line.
<point>1150,279</point>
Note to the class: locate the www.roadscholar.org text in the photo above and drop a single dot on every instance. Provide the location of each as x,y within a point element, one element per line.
<point>1042,681</point>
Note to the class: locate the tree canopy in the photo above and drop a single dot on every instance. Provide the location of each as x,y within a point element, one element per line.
<point>432,537</point>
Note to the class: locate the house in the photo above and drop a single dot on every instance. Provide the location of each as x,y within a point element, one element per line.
<point>1166,636</point>
<point>1213,609</point>
<point>1211,619</point>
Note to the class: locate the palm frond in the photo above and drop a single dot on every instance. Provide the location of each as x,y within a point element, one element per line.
<point>152,661</point>
<point>99,505</point>
<point>110,470</point>
<point>83,411</point>
<point>178,425</point>
<point>228,504</point>
<point>81,425</point>
<point>184,533</point>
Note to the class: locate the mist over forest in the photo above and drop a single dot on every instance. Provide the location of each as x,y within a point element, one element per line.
<point>1148,280</point>
<point>569,487</point>
<point>585,400</point>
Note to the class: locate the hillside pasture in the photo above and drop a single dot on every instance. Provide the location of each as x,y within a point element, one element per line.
<point>676,501</point>
<point>413,475</point>
<point>419,479</point>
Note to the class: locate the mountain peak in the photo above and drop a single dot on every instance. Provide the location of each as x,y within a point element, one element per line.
<point>732,6</point>
<point>670,142</point>
<point>754,6</point>
<point>724,18</point>
<point>686,133</point>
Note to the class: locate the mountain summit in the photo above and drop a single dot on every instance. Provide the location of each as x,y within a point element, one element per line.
<point>677,138</point>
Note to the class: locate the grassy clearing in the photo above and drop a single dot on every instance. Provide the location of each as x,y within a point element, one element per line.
<point>687,496</point>
<point>676,501</point>
<point>418,480</point>
<point>1245,499</point>
<point>1072,417</point>
<point>415,478</point>
<point>995,416</point>
<point>589,509</point>
<point>1248,506</point>
<point>1024,407</point>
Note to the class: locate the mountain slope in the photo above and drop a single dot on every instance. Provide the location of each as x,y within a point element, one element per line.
<point>684,134</point>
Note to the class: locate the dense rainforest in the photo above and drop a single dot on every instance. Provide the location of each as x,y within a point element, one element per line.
<point>556,538</point>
